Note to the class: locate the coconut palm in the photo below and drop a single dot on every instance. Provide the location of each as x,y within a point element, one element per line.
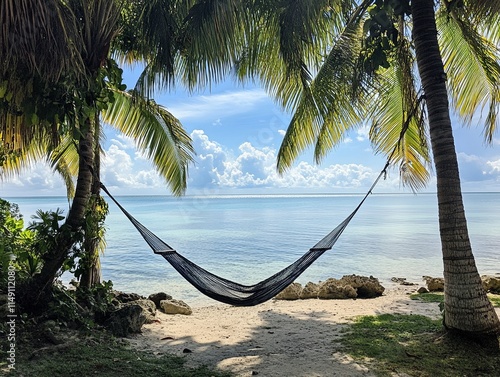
<point>84,97</point>
<point>368,74</point>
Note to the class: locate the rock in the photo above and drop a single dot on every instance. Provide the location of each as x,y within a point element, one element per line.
<point>366,287</point>
<point>434,284</point>
<point>310,290</point>
<point>401,281</point>
<point>491,283</point>
<point>175,307</point>
<point>335,289</point>
<point>127,319</point>
<point>149,309</point>
<point>292,292</point>
<point>422,290</point>
<point>157,297</point>
<point>127,297</point>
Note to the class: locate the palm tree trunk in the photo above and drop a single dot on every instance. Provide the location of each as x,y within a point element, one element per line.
<point>91,275</point>
<point>467,308</point>
<point>40,285</point>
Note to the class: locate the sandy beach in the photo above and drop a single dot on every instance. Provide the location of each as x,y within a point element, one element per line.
<point>277,338</point>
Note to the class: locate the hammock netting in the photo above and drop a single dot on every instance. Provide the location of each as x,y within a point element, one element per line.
<point>228,291</point>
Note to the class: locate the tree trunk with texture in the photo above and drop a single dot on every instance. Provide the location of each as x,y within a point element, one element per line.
<point>467,308</point>
<point>91,275</point>
<point>36,289</point>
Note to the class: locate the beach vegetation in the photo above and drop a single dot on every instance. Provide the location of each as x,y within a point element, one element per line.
<point>53,112</point>
<point>94,353</point>
<point>414,345</point>
<point>439,297</point>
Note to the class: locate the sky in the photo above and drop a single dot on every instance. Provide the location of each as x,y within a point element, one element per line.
<point>236,131</point>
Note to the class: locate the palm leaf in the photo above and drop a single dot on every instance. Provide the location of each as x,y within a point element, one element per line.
<point>211,36</point>
<point>472,61</point>
<point>39,36</point>
<point>157,133</point>
<point>329,106</point>
<point>398,127</point>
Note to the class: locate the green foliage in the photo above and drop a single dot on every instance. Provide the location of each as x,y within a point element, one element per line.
<point>415,345</point>
<point>428,297</point>
<point>80,307</point>
<point>381,32</point>
<point>94,230</point>
<point>495,299</point>
<point>16,244</point>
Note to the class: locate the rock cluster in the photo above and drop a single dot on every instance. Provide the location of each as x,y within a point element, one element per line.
<point>491,283</point>
<point>349,286</point>
<point>131,311</point>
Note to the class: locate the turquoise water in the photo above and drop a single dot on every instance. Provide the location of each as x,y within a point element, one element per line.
<point>248,238</point>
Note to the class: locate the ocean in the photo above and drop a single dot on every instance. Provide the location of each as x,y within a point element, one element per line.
<point>248,238</point>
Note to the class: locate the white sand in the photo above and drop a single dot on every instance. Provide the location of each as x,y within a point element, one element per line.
<point>277,338</point>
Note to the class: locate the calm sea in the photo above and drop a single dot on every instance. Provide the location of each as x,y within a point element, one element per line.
<point>248,238</point>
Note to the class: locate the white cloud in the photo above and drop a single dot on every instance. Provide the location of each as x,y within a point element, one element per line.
<point>119,170</point>
<point>254,167</point>
<point>228,104</point>
<point>124,142</point>
<point>38,180</point>
<point>494,165</point>
<point>363,133</point>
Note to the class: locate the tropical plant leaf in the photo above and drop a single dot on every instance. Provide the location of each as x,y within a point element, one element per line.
<point>157,133</point>
<point>474,69</point>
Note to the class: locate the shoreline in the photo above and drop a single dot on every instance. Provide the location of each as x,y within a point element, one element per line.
<point>277,338</point>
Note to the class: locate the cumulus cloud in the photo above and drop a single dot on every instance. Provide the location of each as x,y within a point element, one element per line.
<point>120,170</point>
<point>252,166</point>
<point>38,180</point>
<point>218,170</point>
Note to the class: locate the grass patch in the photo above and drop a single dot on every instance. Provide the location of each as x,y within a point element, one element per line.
<point>439,297</point>
<point>428,297</point>
<point>105,357</point>
<point>495,299</point>
<point>415,345</point>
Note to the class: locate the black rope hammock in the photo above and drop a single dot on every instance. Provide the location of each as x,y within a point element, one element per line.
<point>228,291</point>
<point>233,293</point>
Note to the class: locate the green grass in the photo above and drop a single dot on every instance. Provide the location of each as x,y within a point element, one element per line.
<point>495,299</point>
<point>439,297</point>
<point>428,297</point>
<point>415,345</point>
<point>104,358</point>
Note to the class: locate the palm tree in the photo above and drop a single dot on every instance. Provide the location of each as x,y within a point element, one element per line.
<point>84,97</point>
<point>371,60</point>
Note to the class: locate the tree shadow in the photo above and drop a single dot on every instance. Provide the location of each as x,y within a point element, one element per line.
<point>296,342</point>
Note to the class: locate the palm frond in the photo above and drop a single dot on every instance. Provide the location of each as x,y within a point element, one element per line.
<point>99,23</point>
<point>398,127</point>
<point>473,69</point>
<point>330,105</point>
<point>157,133</point>
<point>211,36</point>
<point>482,9</point>
<point>39,36</point>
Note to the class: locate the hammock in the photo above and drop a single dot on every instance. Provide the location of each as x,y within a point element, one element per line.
<point>228,291</point>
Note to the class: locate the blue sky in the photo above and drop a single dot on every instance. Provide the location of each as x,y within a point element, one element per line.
<point>236,132</point>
